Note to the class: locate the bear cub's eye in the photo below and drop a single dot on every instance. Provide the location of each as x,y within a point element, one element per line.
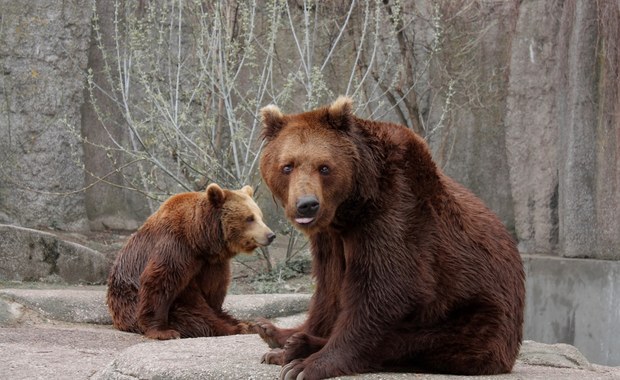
<point>287,169</point>
<point>250,219</point>
<point>324,170</point>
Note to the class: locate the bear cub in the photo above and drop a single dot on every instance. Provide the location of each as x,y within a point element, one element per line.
<point>170,279</point>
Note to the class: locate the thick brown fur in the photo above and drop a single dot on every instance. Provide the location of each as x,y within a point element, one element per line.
<point>412,271</point>
<point>170,279</point>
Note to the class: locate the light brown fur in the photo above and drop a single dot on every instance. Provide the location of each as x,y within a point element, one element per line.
<point>171,277</point>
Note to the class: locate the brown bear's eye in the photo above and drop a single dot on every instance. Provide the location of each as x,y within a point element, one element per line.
<point>324,170</point>
<point>250,219</point>
<point>287,169</point>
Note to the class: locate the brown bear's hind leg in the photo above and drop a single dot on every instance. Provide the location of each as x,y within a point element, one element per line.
<point>481,346</point>
<point>193,317</point>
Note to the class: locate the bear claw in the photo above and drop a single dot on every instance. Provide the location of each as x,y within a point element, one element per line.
<point>292,371</point>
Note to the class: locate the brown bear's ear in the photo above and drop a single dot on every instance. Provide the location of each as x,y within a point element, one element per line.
<point>216,195</point>
<point>340,113</point>
<point>273,121</point>
<point>248,190</point>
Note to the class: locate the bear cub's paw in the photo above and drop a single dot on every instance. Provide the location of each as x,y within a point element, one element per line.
<point>246,327</point>
<point>268,332</point>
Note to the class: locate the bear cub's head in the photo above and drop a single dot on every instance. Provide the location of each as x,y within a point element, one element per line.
<point>241,218</point>
<point>308,162</point>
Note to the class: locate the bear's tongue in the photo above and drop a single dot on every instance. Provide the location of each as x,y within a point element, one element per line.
<point>304,220</point>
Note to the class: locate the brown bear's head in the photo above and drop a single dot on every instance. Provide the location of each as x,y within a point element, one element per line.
<point>308,162</point>
<point>241,218</point>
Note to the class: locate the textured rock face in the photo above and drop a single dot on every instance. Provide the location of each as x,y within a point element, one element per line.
<point>589,166</point>
<point>471,147</point>
<point>43,59</point>
<point>30,255</point>
<point>107,207</point>
<point>532,128</point>
<point>561,139</point>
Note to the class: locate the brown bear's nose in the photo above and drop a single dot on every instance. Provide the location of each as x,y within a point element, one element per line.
<point>307,206</point>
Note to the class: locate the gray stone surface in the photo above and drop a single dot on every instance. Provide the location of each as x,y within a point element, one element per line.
<point>109,207</point>
<point>252,306</point>
<point>577,116</point>
<point>561,138</point>
<point>235,357</point>
<point>53,351</point>
<point>574,301</point>
<point>87,304</point>
<point>533,129</point>
<point>589,163</point>
<point>10,312</point>
<point>31,255</point>
<point>470,142</point>
<point>76,305</point>
<point>557,355</point>
<point>43,58</point>
<point>39,344</point>
<point>532,126</point>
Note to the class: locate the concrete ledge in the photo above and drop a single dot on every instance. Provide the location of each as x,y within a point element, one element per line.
<point>574,301</point>
<point>87,305</point>
<point>69,341</point>
<point>238,357</point>
<point>75,305</point>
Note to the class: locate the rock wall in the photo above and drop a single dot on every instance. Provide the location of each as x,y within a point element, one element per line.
<point>535,131</point>
<point>561,132</point>
<point>532,128</point>
<point>107,207</point>
<point>36,256</point>
<point>471,147</point>
<point>43,58</point>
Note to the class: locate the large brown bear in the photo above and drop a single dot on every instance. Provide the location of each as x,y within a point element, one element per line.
<point>412,271</point>
<point>170,279</point>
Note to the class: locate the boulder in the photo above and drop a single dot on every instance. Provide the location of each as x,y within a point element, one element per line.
<point>31,255</point>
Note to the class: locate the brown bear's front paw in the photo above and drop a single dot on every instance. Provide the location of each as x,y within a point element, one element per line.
<point>268,332</point>
<point>275,356</point>
<point>312,368</point>
<point>247,327</point>
<point>293,370</point>
<point>162,334</point>
<point>301,345</point>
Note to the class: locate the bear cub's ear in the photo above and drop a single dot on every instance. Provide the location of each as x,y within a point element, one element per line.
<point>340,113</point>
<point>273,121</point>
<point>248,190</point>
<point>216,195</point>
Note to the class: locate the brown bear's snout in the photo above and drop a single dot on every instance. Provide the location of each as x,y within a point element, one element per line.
<point>270,237</point>
<point>307,208</point>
